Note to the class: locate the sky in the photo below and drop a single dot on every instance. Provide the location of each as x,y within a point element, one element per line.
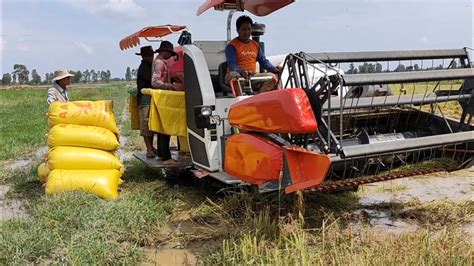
<point>84,34</point>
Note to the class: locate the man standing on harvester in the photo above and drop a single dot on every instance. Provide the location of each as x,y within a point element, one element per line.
<point>242,55</point>
<point>161,80</point>
<point>144,81</point>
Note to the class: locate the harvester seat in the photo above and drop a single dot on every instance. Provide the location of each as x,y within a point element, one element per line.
<point>222,70</point>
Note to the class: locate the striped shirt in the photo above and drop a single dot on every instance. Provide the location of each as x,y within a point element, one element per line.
<point>57,94</point>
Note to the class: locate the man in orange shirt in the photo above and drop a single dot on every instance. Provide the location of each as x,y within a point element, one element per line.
<point>242,55</point>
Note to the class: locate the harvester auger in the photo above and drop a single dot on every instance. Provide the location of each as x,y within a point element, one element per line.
<point>371,123</point>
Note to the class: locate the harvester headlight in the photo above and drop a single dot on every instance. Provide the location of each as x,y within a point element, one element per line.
<point>206,111</point>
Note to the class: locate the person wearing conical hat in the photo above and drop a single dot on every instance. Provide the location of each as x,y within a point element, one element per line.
<point>59,91</point>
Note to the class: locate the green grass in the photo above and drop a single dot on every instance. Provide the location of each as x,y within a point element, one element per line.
<point>79,228</point>
<point>23,123</point>
<point>242,228</point>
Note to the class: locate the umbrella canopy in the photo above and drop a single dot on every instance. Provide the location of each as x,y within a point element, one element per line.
<point>257,7</point>
<point>149,32</point>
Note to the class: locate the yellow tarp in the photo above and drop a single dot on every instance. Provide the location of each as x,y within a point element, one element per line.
<point>133,109</point>
<point>168,114</point>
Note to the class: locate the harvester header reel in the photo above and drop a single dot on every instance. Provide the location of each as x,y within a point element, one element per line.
<point>376,121</point>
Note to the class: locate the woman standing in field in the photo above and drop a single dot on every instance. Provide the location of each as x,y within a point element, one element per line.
<point>59,91</point>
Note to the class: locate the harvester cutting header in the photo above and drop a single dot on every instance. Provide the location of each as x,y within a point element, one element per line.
<point>324,127</point>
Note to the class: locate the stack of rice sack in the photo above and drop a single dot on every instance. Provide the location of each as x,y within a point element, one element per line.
<point>83,137</point>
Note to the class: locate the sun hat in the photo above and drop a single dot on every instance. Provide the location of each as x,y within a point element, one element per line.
<point>62,73</point>
<point>146,50</point>
<point>166,46</point>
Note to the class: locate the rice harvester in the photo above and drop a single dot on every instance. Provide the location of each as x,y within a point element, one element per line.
<point>327,126</point>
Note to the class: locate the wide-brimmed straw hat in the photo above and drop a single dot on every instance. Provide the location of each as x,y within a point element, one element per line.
<point>62,73</point>
<point>166,46</point>
<point>146,50</point>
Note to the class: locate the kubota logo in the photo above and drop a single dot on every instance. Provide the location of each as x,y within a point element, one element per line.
<point>248,53</point>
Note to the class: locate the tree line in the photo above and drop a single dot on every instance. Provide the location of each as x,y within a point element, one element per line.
<point>21,75</point>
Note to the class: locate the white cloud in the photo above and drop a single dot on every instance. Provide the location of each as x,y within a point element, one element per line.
<point>85,47</point>
<point>112,8</point>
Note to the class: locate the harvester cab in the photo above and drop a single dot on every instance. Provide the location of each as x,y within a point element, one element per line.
<point>328,126</point>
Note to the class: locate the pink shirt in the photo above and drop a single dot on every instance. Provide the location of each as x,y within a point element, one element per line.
<point>160,78</point>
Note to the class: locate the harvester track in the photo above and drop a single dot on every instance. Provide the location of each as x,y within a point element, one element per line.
<point>353,183</point>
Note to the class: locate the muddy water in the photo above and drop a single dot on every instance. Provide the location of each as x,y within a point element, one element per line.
<point>169,257</point>
<point>172,251</point>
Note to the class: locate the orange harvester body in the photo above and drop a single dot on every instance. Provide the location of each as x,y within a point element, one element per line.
<point>255,159</point>
<point>280,111</point>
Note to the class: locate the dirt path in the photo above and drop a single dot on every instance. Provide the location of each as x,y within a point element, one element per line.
<point>10,208</point>
<point>13,208</point>
<point>124,155</point>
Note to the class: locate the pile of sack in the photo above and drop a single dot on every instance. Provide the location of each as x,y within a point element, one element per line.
<point>83,138</point>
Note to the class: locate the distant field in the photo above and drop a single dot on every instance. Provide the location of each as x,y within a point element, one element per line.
<point>451,109</point>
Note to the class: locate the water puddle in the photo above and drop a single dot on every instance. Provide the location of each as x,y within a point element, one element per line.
<point>169,257</point>
<point>381,221</point>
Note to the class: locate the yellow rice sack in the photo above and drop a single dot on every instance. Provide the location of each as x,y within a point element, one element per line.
<point>78,158</point>
<point>103,183</point>
<point>82,136</point>
<point>43,172</point>
<point>133,109</point>
<point>87,113</point>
